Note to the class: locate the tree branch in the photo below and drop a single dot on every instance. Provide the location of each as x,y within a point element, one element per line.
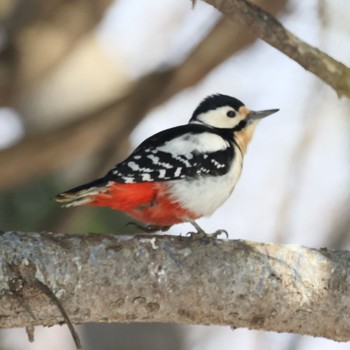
<point>265,26</point>
<point>104,278</point>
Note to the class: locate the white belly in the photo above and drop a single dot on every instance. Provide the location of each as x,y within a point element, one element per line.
<point>204,195</point>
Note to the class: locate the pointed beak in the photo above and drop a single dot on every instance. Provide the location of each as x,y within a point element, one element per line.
<point>253,115</point>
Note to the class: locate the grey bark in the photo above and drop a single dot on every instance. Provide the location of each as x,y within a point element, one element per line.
<point>107,278</point>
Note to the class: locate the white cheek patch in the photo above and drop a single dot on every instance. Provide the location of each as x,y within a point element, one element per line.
<point>218,118</point>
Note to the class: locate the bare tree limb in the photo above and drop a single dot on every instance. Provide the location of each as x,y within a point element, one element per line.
<point>268,28</point>
<point>105,278</point>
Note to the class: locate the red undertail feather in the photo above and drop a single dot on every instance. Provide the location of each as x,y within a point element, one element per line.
<point>148,202</point>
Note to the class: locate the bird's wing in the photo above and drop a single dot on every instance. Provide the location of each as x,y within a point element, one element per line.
<point>183,152</point>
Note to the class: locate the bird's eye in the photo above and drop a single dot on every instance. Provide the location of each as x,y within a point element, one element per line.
<point>231,114</point>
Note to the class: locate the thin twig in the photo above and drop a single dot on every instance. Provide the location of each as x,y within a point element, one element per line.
<point>30,333</point>
<point>47,291</point>
<point>268,28</point>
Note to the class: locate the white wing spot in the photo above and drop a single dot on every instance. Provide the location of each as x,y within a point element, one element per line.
<point>182,160</point>
<point>166,165</point>
<point>177,172</point>
<point>153,158</point>
<point>134,166</point>
<point>128,180</point>
<point>217,164</point>
<point>162,173</point>
<point>146,177</point>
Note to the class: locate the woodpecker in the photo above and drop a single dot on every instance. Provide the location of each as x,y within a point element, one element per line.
<point>179,174</point>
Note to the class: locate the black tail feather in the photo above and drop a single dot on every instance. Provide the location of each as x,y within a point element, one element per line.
<point>82,194</point>
<point>96,183</point>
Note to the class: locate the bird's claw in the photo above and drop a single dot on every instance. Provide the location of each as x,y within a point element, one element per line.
<point>218,233</point>
<point>200,233</point>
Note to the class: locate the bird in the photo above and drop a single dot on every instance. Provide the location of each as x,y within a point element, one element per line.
<point>179,174</point>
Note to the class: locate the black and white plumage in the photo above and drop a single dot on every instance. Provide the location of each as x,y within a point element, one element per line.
<point>204,147</point>
<point>186,151</point>
<point>197,164</point>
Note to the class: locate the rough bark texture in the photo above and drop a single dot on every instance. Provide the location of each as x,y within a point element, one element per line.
<point>105,278</point>
<point>268,28</point>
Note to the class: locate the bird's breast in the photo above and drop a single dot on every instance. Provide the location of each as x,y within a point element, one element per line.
<point>203,195</point>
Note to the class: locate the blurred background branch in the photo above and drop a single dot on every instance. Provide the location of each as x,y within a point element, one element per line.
<point>266,27</point>
<point>38,37</point>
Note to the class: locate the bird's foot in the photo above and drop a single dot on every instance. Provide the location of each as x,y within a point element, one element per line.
<point>149,228</point>
<point>200,233</point>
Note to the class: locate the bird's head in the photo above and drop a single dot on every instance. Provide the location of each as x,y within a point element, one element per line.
<point>230,116</point>
<point>226,112</point>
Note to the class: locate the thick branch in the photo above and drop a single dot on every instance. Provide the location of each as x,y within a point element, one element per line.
<point>265,26</point>
<point>100,277</point>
